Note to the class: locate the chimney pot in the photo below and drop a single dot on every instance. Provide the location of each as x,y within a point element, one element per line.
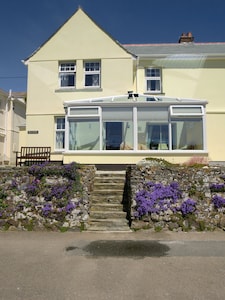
<point>186,38</point>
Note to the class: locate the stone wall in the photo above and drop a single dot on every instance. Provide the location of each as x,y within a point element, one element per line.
<point>24,209</point>
<point>194,182</point>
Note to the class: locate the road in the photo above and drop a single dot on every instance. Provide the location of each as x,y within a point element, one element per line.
<point>138,265</point>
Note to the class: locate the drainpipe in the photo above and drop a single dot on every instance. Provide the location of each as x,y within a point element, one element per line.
<point>137,64</point>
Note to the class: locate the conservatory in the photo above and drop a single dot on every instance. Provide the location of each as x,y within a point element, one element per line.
<point>135,123</point>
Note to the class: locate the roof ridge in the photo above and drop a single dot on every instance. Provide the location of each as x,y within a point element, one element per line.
<point>173,44</point>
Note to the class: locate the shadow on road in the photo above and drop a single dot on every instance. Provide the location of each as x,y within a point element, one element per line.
<point>128,248</point>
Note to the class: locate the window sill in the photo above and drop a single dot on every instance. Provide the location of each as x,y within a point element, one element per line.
<point>90,89</point>
<point>154,93</point>
<point>87,89</point>
<point>65,90</point>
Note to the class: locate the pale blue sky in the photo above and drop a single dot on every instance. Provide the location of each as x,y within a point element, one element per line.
<point>26,24</point>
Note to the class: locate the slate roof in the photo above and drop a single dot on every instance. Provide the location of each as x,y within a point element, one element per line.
<point>162,50</point>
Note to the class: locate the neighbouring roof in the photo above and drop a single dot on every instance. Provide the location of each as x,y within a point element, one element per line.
<point>161,50</point>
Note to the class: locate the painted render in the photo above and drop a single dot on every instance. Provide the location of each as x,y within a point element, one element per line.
<point>12,116</point>
<point>80,39</point>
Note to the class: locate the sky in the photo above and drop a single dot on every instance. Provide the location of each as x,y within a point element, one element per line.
<point>27,24</point>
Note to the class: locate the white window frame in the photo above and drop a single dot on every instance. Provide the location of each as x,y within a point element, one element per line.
<point>153,78</point>
<point>65,69</point>
<point>60,130</point>
<point>201,111</point>
<point>92,72</point>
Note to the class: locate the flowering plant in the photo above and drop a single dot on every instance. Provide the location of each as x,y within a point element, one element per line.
<point>155,198</point>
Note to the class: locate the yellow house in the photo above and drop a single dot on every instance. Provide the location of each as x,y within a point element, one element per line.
<point>96,101</point>
<point>12,117</point>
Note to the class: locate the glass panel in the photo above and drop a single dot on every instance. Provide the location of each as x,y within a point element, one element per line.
<point>118,135</point>
<point>176,110</point>
<point>117,128</point>
<point>67,67</point>
<point>153,85</point>
<point>117,113</point>
<point>92,80</point>
<point>151,114</point>
<point>84,134</point>
<point>60,123</point>
<point>67,79</point>
<point>152,72</point>
<point>187,134</point>
<point>84,111</point>
<point>60,140</point>
<point>92,66</point>
<point>152,134</point>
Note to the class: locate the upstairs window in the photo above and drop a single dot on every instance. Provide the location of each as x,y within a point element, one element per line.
<point>67,74</point>
<point>92,72</point>
<point>153,80</point>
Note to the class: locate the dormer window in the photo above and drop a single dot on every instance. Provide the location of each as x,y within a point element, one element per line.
<point>67,74</point>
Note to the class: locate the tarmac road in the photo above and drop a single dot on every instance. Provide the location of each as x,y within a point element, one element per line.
<point>137,265</point>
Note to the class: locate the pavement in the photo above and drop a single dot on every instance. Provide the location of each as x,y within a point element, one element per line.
<point>89,265</point>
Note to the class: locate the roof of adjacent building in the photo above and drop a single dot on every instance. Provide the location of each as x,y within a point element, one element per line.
<point>161,50</point>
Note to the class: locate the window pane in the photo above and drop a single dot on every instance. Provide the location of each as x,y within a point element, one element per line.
<point>84,111</point>
<point>67,79</point>
<point>118,135</point>
<point>187,134</point>
<point>176,110</point>
<point>153,85</point>
<point>67,67</point>
<point>60,140</point>
<point>153,114</point>
<point>60,123</point>
<point>152,72</point>
<point>93,66</point>
<point>117,128</point>
<point>92,80</point>
<point>84,134</point>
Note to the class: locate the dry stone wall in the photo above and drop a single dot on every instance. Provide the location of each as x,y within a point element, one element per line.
<point>30,203</point>
<point>195,183</point>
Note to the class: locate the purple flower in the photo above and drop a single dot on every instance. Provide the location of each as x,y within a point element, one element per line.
<point>187,207</point>
<point>70,206</point>
<point>217,187</point>
<point>156,197</point>
<point>46,209</point>
<point>218,201</point>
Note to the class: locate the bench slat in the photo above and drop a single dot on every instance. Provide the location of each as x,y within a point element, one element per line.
<point>33,154</point>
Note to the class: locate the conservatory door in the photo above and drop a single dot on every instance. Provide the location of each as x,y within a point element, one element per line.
<point>114,135</point>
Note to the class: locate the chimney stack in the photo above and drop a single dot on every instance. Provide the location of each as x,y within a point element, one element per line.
<point>186,38</point>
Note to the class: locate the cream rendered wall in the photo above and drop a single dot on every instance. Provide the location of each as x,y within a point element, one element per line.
<point>206,82</point>
<point>79,39</point>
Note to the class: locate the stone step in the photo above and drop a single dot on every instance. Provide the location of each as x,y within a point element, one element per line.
<point>106,207</point>
<point>111,199</point>
<point>109,185</point>
<point>105,191</point>
<point>107,214</point>
<point>111,222</point>
<point>109,229</point>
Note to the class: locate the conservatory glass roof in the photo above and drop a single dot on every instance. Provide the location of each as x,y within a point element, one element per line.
<point>133,97</point>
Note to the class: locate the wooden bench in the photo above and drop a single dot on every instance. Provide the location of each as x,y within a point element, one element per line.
<point>32,155</point>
